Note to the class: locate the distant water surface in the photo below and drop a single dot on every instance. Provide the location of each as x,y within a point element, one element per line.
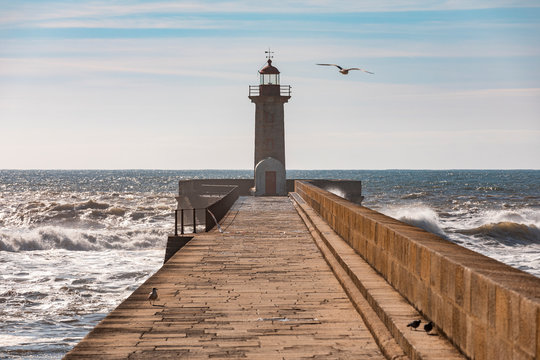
<point>74,244</point>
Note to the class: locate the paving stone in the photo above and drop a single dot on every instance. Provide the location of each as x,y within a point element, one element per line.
<point>260,290</point>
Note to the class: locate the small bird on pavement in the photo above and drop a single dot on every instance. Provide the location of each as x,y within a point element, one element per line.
<point>428,327</point>
<point>346,71</point>
<point>415,324</point>
<point>153,296</point>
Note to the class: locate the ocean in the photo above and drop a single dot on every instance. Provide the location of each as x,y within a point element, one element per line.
<point>74,244</point>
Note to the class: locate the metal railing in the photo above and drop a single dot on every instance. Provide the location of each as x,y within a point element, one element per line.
<point>284,90</point>
<point>254,90</point>
<point>210,217</point>
<point>183,226</point>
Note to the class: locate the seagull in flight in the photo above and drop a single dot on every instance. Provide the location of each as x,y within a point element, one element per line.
<point>346,71</point>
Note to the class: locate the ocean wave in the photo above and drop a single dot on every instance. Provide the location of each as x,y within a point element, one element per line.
<point>91,204</point>
<point>521,216</point>
<point>51,237</point>
<point>507,232</point>
<point>415,195</point>
<point>84,210</point>
<point>419,216</point>
<point>490,188</point>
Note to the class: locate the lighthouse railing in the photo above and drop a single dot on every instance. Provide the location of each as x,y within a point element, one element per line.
<point>255,90</point>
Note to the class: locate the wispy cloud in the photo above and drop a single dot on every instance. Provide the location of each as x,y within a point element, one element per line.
<point>34,13</point>
<point>157,72</point>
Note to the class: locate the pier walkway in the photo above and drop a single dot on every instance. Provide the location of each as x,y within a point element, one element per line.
<point>259,290</point>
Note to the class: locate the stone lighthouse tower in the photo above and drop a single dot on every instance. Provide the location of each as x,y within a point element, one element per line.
<point>269,97</point>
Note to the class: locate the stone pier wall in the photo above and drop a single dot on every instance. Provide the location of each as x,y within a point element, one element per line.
<point>487,309</point>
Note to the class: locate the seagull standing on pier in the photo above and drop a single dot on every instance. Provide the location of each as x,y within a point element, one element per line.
<point>153,296</point>
<point>415,324</point>
<point>428,327</point>
<point>346,71</point>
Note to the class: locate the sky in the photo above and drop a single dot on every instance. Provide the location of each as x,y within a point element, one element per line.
<point>164,84</point>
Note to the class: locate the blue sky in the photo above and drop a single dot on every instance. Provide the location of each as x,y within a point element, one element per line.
<point>163,84</point>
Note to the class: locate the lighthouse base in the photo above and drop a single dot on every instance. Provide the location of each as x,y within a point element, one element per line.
<point>270,178</point>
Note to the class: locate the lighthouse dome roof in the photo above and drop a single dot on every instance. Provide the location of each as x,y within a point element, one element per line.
<point>269,69</point>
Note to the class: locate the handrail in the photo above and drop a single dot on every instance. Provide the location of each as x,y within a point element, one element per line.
<point>182,225</point>
<point>255,90</point>
<point>213,213</point>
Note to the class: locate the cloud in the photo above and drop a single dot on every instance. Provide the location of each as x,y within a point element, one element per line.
<point>89,13</point>
<point>435,100</point>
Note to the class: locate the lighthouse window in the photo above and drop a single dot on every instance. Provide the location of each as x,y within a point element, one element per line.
<point>269,79</point>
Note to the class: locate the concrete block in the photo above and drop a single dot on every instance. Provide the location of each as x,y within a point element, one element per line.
<point>479,297</point>
<point>412,261</point>
<point>393,275</point>
<point>425,265</point>
<point>404,246</point>
<point>376,258</point>
<point>466,343</point>
<point>383,263</point>
<point>405,284</point>
<point>369,252</point>
<point>420,294</point>
<point>496,347</point>
<point>514,316</point>
<point>459,286</point>
<point>460,327</point>
<point>479,335</point>
<point>538,333</point>
<point>467,290</point>
<point>359,222</point>
<point>382,234</point>
<point>436,309</point>
<point>448,269</point>
<point>519,354</point>
<point>398,248</point>
<point>502,313</point>
<point>491,307</point>
<point>527,325</point>
<point>371,230</point>
<point>435,272</point>
<point>391,249</point>
<point>362,246</point>
<point>353,241</point>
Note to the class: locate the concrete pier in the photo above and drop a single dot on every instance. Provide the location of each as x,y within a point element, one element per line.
<point>316,276</point>
<point>260,290</point>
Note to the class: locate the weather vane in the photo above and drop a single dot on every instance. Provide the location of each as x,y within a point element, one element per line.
<point>269,54</point>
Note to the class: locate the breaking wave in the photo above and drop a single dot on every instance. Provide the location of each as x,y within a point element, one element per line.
<point>419,216</point>
<point>51,237</point>
<point>416,195</point>
<point>519,227</point>
<point>508,232</point>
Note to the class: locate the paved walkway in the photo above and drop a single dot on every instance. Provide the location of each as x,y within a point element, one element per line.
<point>260,290</point>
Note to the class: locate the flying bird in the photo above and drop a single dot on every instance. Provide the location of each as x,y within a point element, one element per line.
<point>153,296</point>
<point>346,71</point>
<point>415,324</point>
<point>428,327</point>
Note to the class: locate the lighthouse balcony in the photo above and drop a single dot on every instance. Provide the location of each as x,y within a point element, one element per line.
<point>269,90</point>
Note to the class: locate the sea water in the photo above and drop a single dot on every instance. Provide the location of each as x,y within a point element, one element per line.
<point>74,244</point>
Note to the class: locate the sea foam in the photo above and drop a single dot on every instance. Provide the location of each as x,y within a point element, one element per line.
<point>54,237</point>
<point>420,216</point>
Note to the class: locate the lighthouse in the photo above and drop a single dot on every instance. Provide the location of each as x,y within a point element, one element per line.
<point>269,97</point>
